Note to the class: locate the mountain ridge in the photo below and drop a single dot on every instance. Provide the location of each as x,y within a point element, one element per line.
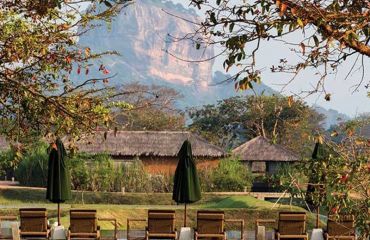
<point>143,33</point>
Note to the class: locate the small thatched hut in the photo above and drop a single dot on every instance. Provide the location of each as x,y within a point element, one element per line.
<point>157,149</point>
<point>262,156</point>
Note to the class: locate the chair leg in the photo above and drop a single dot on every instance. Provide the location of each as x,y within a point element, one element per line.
<point>277,236</point>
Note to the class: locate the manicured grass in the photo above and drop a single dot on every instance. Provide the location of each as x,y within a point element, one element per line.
<point>135,205</point>
<point>21,195</point>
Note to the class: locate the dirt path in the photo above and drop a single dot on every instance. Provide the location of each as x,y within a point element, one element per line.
<point>15,185</point>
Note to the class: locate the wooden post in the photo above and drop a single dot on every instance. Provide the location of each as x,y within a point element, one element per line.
<point>59,214</point>
<point>185,216</point>
<point>317,217</point>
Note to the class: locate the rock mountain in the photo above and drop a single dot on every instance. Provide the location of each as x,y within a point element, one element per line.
<point>147,36</point>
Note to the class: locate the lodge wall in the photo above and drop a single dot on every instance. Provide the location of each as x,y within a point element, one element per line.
<point>165,165</point>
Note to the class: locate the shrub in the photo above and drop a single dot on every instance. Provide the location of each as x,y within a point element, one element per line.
<point>93,172</point>
<point>33,167</point>
<point>79,172</point>
<point>135,177</point>
<point>6,163</point>
<point>231,175</point>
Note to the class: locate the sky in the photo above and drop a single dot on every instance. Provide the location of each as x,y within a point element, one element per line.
<point>343,97</point>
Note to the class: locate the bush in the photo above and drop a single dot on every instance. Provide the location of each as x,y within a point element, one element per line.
<point>93,172</point>
<point>79,172</point>
<point>162,183</point>
<point>230,175</point>
<point>33,167</point>
<point>135,178</point>
<point>6,163</point>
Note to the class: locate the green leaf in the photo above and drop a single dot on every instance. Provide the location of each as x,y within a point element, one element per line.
<point>317,42</point>
<point>213,18</point>
<point>231,27</point>
<point>197,45</point>
<point>218,2</point>
<point>108,4</point>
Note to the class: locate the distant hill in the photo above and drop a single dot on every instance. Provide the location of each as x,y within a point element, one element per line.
<point>332,117</point>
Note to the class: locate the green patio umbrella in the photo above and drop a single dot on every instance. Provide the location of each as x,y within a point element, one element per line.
<point>316,179</point>
<point>59,183</point>
<point>186,188</point>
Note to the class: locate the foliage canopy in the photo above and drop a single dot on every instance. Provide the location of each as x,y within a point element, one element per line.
<point>38,53</point>
<point>329,32</point>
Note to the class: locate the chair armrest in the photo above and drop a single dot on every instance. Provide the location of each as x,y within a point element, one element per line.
<point>114,222</point>
<point>241,221</point>
<point>133,220</point>
<point>2,218</point>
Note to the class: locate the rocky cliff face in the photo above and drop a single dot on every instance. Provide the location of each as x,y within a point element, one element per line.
<point>143,33</point>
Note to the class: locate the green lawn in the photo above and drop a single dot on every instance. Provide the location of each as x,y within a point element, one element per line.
<point>135,205</point>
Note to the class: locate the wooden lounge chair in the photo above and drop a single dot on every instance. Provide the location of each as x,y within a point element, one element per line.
<point>291,225</point>
<point>341,228</point>
<point>83,225</point>
<point>161,225</point>
<point>34,223</point>
<point>211,225</point>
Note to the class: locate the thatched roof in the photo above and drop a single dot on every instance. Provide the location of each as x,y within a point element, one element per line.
<point>261,149</point>
<point>147,143</point>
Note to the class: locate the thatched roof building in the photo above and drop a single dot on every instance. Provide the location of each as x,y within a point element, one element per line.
<point>261,149</point>
<point>147,143</point>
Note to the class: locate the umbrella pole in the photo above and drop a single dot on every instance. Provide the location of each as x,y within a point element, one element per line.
<point>317,216</point>
<point>185,216</point>
<point>58,214</point>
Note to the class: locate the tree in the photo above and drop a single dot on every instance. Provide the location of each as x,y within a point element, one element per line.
<point>221,124</point>
<point>331,32</point>
<point>38,52</point>
<point>281,119</point>
<point>153,108</point>
<point>346,168</point>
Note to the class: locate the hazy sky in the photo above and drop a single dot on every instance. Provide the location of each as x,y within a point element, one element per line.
<point>344,99</point>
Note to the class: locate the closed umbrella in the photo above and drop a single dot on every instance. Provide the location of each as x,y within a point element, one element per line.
<point>59,183</point>
<point>186,188</point>
<point>315,188</point>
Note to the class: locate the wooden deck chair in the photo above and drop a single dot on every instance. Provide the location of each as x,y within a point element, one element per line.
<point>161,225</point>
<point>291,225</point>
<point>340,228</point>
<point>83,224</point>
<point>210,224</point>
<point>34,223</point>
